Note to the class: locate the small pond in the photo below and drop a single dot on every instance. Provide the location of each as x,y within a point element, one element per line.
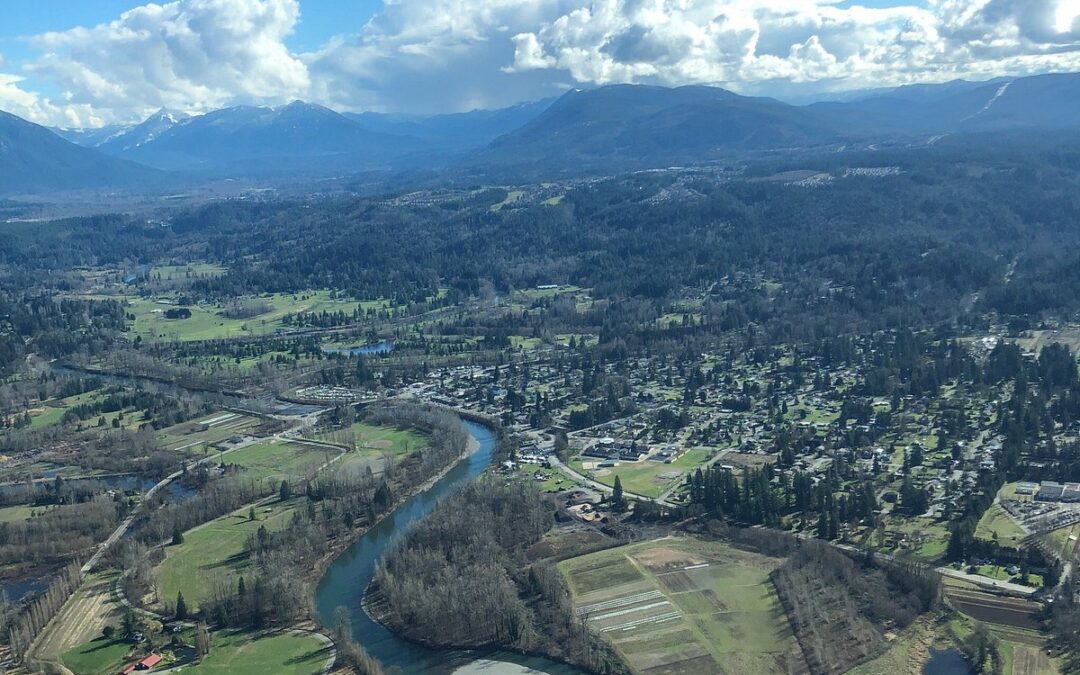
<point>946,662</point>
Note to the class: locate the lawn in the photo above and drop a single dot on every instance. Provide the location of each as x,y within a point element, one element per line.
<point>555,481</point>
<point>215,552</point>
<point>274,460</point>
<point>689,605</point>
<point>1065,539</point>
<point>98,657</point>
<point>233,653</point>
<point>996,525</point>
<point>648,478</point>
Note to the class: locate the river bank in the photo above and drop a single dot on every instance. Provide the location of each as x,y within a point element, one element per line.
<point>339,547</point>
<point>348,577</point>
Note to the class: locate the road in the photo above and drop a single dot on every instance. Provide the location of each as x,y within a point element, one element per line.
<point>121,530</point>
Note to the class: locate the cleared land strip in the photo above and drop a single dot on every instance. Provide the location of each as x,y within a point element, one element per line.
<point>631,610</point>
<point>659,618</point>
<point>618,602</point>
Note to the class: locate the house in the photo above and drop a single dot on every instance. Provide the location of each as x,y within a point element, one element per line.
<point>149,662</point>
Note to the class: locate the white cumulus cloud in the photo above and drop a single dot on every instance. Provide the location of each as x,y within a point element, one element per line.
<point>187,54</point>
<point>448,55</point>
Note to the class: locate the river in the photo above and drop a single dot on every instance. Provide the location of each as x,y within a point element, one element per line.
<point>349,575</point>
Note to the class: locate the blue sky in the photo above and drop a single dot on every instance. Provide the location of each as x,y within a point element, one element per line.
<point>19,19</point>
<point>86,63</point>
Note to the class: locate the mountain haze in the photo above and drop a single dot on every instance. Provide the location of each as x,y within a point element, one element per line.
<point>629,125</point>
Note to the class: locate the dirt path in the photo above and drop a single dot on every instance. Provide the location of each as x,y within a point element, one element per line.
<point>82,619</point>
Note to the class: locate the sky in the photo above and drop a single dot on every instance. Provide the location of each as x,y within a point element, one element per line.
<point>87,63</point>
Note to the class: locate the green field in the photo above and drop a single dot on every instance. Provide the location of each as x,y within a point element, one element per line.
<point>680,605</point>
<point>1065,539</point>
<point>648,478</point>
<point>14,514</point>
<point>215,552</point>
<point>186,272</point>
<point>378,440</point>
<point>233,653</point>
<point>274,460</point>
<point>208,322</point>
<point>555,482</point>
<point>996,525</point>
<point>98,657</point>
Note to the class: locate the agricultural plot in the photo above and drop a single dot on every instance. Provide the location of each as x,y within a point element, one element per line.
<point>197,435</point>
<point>685,606</point>
<point>72,637</point>
<point>215,552</point>
<point>992,609</point>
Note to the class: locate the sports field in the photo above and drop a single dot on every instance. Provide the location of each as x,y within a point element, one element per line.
<point>681,605</point>
<point>215,552</point>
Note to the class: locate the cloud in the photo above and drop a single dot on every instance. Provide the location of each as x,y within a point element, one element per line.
<point>447,55</point>
<point>15,99</point>
<point>187,54</point>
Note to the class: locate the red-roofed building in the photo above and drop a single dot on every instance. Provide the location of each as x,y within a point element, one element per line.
<point>128,669</point>
<point>149,662</point>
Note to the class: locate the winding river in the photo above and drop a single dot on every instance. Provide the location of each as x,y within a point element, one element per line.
<point>348,576</point>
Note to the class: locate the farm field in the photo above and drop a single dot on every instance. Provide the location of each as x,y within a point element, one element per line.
<point>72,637</point>
<point>274,460</point>
<point>237,653</point>
<point>193,436</point>
<point>646,477</point>
<point>1016,613</point>
<point>681,605</point>
<point>215,551</point>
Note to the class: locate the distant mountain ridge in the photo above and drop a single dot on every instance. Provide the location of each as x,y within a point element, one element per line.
<point>602,129</point>
<point>302,137</point>
<point>636,125</point>
<point>33,159</point>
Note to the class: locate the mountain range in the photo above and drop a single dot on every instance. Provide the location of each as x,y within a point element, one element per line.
<point>34,159</point>
<point>607,128</point>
